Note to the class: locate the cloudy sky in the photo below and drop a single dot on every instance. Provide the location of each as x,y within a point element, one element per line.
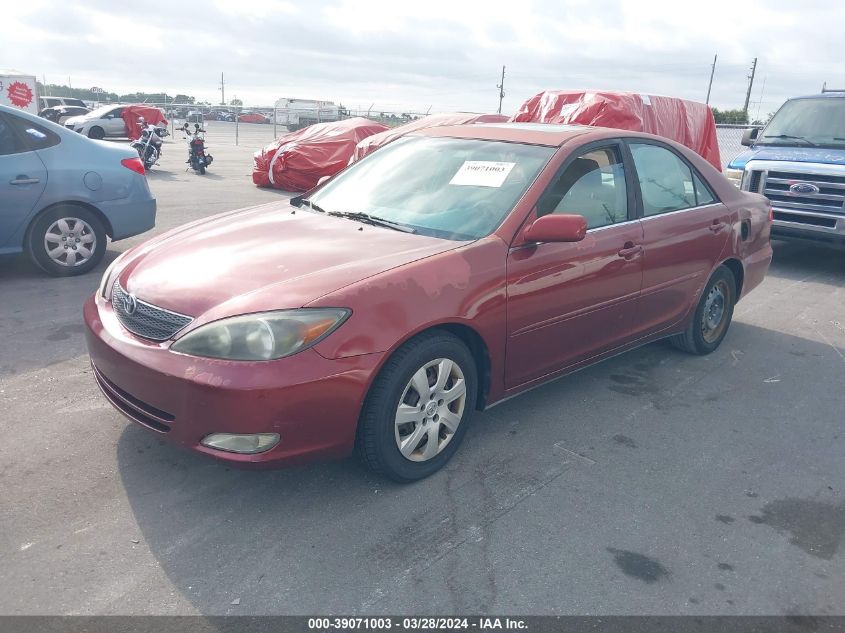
<point>438,54</point>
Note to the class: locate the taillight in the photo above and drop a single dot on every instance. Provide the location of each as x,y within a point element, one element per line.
<point>135,164</point>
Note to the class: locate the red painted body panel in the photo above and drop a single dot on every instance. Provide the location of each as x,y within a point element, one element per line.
<point>539,310</point>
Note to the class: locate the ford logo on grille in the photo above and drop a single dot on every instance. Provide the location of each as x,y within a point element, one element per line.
<point>130,304</point>
<point>803,187</point>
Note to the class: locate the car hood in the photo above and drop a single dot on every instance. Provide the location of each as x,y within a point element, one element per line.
<point>265,258</point>
<point>825,156</point>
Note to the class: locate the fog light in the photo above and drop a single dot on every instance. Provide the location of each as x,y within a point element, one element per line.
<point>238,443</point>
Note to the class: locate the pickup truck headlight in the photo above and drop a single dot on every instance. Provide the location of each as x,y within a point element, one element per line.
<point>263,335</point>
<point>735,176</point>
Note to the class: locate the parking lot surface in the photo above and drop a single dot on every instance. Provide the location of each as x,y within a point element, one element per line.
<point>653,483</point>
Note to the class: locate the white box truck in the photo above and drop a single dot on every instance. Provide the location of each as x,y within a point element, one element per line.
<point>299,113</point>
<point>18,90</point>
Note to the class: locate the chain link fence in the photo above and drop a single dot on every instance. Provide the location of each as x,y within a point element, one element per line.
<point>730,137</point>
<point>261,124</point>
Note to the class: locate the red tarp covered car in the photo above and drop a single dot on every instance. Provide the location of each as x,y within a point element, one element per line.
<point>151,114</point>
<point>687,122</point>
<point>372,143</point>
<point>297,161</point>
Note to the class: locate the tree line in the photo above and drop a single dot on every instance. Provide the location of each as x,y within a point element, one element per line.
<point>57,90</point>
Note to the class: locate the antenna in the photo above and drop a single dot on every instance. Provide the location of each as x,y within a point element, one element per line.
<point>501,87</point>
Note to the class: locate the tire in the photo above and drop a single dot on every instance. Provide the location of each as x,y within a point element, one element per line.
<point>151,157</point>
<point>84,232</point>
<point>97,133</point>
<point>703,335</point>
<point>378,436</point>
<point>202,170</point>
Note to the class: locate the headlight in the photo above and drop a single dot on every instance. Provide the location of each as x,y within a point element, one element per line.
<point>263,335</point>
<point>735,176</point>
<point>105,286</point>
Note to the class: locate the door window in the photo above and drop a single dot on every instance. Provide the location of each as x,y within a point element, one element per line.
<point>593,185</point>
<point>9,141</point>
<point>665,180</point>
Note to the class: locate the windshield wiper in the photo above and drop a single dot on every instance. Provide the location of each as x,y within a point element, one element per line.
<point>366,218</point>
<point>796,138</point>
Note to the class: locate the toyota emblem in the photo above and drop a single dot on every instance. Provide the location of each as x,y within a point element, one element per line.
<point>130,304</point>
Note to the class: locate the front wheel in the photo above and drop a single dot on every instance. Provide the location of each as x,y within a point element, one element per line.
<point>151,158</point>
<point>712,317</point>
<point>418,409</point>
<point>97,133</point>
<point>67,240</point>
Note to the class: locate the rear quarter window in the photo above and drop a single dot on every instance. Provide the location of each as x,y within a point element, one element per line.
<point>34,136</point>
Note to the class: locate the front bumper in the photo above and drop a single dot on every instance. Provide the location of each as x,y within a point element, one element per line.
<point>831,232</point>
<point>312,402</point>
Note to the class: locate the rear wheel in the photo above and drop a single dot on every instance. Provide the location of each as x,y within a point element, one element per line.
<point>67,241</point>
<point>712,316</point>
<point>96,132</point>
<point>418,409</point>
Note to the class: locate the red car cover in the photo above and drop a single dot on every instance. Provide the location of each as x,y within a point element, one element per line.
<point>687,122</point>
<point>296,161</point>
<point>372,143</point>
<point>151,115</point>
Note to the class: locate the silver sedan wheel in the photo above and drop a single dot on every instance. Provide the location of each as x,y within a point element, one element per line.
<point>430,410</point>
<point>70,242</point>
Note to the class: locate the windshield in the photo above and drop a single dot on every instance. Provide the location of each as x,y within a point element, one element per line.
<point>816,121</point>
<point>458,189</point>
<point>101,111</point>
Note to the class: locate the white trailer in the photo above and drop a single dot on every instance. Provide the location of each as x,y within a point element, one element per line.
<point>18,90</point>
<point>298,113</point>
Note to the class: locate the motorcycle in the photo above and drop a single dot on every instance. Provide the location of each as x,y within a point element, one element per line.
<point>148,145</point>
<point>198,159</point>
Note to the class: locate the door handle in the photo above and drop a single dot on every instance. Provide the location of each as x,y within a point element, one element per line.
<point>630,250</point>
<point>24,180</point>
<point>717,226</point>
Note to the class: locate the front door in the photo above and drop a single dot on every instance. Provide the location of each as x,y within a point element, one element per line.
<point>568,302</point>
<point>22,181</point>
<point>685,230</point>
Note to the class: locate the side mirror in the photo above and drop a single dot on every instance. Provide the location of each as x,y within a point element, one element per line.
<point>557,228</point>
<point>749,136</point>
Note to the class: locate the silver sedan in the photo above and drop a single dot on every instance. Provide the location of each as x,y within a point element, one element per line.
<point>62,194</point>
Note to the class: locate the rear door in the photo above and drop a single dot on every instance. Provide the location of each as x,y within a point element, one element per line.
<point>568,302</point>
<point>685,231</point>
<point>23,177</point>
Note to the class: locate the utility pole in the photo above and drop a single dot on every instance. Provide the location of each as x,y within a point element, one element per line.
<point>222,90</point>
<point>710,85</point>
<point>501,88</point>
<point>750,83</point>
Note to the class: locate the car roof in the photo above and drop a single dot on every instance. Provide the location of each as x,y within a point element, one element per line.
<point>821,95</point>
<point>549,134</point>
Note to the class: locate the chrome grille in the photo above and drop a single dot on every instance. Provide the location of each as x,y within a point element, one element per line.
<point>147,321</point>
<point>830,197</point>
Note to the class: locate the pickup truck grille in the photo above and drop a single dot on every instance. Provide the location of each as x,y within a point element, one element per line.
<point>830,197</point>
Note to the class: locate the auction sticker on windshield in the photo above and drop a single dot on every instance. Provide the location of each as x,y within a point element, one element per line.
<point>482,173</point>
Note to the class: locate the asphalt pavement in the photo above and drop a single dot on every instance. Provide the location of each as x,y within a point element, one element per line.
<point>653,483</point>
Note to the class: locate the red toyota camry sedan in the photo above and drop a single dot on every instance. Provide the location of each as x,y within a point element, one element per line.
<point>447,271</point>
